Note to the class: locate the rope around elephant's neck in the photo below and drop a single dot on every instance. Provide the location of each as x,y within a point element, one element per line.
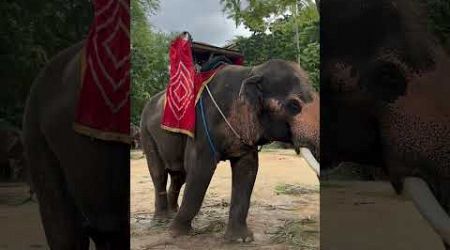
<point>222,114</point>
<point>205,125</point>
<point>211,143</point>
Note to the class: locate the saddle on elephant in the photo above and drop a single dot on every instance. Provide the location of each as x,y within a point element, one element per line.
<point>103,109</point>
<point>192,66</point>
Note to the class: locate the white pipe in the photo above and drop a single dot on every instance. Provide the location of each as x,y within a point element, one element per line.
<point>309,158</point>
<point>418,190</point>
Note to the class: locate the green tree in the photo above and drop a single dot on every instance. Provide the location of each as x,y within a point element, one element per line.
<point>439,20</point>
<point>258,15</point>
<point>284,29</point>
<point>149,57</point>
<point>32,32</point>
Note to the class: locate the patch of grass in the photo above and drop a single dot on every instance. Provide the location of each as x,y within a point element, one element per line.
<point>136,154</point>
<point>214,226</point>
<point>302,234</point>
<point>350,171</point>
<point>276,145</point>
<point>330,184</point>
<point>278,151</point>
<point>159,225</point>
<point>297,190</point>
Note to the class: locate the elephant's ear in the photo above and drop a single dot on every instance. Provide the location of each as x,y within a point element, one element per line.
<point>251,90</point>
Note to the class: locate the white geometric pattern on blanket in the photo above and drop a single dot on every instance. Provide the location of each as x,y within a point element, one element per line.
<point>181,81</point>
<point>113,7</point>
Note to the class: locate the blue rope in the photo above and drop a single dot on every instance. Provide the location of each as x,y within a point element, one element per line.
<point>205,126</point>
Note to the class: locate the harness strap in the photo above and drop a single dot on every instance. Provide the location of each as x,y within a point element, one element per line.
<point>205,126</point>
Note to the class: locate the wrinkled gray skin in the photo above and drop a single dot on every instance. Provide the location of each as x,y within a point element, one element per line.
<point>385,90</point>
<point>81,183</point>
<point>277,104</point>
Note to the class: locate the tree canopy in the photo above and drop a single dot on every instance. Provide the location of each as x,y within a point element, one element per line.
<point>149,57</point>
<point>439,20</point>
<point>283,29</point>
<point>273,37</point>
<point>32,32</point>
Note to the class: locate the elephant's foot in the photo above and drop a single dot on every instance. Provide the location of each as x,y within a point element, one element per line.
<point>162,217</point>
<point>161,214</point>
<point>159,222</point>
<point>239,233</point>
<point>173,209</point>
<point>179,229</point>
<point>168,214</point>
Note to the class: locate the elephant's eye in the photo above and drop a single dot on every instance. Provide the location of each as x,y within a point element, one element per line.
<point>387,82</point>
<point>293,107</point>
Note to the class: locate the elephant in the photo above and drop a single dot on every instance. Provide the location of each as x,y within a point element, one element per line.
<point>135,134</point>
<point>81,183</point>
<point>384,92</point>
<point>273,101</point>
<point>11,154</point>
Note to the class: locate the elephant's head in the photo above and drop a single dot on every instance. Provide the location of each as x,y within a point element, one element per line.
<point>384,87</point>
<point>284,103</point>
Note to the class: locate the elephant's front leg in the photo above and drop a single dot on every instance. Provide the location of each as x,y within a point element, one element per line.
<point>244,172</point>
<point>200,168</point>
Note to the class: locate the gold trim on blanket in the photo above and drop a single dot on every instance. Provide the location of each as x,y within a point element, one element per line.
<point>82,64</point>
<point>178,130</point>
<point>102,135</point>
<point>200,91</point>
<point>91,132</point>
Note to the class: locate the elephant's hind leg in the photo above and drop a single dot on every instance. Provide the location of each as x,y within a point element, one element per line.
<point>159,175</point>
<point>177,179</point>
<point>60,217</point>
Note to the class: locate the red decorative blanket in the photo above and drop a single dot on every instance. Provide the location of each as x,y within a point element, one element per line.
<point>103,108</point>
<point>184,88</point>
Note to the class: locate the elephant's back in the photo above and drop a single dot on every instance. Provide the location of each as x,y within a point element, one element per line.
<point>53,73</point>
<point>53,95</point>
<point>151,114</point>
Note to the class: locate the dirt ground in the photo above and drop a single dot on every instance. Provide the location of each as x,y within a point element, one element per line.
<point>20,222</point>
<point>20,225</point>
<point>369,215</point>
<point>284,212</point>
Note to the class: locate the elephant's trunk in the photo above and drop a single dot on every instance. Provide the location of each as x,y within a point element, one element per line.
<point>306,129</point>
<point>428,206</point>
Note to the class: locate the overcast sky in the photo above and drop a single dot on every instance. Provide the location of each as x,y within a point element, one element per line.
<point>204,19</point>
